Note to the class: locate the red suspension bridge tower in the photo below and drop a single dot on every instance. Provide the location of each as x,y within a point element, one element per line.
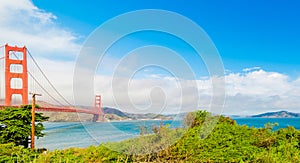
<point>11,59</point>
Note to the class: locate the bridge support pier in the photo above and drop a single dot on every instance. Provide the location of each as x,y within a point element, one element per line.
<point>96,118</point>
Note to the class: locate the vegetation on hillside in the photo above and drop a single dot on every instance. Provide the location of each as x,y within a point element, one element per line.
<point>228,142</point>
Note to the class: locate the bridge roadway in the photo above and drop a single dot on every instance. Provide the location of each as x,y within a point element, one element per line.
<point>67,109</point>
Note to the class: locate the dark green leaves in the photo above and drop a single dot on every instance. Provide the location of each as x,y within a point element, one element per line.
<point>16,125</point>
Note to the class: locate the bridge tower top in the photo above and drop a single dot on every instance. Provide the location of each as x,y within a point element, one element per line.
<point>12,58</point>
<point>97,105</point>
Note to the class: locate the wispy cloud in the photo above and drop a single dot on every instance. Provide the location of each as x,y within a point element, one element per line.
<point>251,69</point>
<point>22,23</point>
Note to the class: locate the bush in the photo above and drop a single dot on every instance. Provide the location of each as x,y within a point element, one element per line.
<point>12,153</point>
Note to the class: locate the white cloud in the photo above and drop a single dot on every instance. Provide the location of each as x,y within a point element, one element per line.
<point>259,91</point>
<point>246,93</point>
<point>257,83</point>
<point>22,23</point>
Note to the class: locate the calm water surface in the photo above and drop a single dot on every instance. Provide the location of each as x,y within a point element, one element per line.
<point>259,122</point>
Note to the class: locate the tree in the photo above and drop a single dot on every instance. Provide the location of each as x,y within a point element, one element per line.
<point>15,125</point>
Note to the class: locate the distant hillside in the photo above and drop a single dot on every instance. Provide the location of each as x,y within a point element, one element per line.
<point>133,116</point>
<point>278,114</point>
<point>108,110</point>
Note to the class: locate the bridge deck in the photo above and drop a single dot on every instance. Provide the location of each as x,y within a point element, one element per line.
<point>53,109</point>
<point>66,109</point>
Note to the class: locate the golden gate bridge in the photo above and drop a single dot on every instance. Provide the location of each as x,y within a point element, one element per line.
<point>18,73</point>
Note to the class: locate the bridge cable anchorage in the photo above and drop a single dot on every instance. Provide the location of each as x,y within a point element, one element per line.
<point>65,100</point>
<point>44,89</point>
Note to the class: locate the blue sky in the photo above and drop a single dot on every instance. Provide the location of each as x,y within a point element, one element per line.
<point>258,41</point>
<point>246,33</point>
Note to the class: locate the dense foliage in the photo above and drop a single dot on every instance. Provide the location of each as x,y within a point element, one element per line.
<point>10,153</point>
<point>228,142</point>
<point>15,125</point>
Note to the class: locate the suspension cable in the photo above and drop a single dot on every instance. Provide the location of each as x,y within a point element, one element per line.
<point>44,89</point>
<point>48,79</point>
